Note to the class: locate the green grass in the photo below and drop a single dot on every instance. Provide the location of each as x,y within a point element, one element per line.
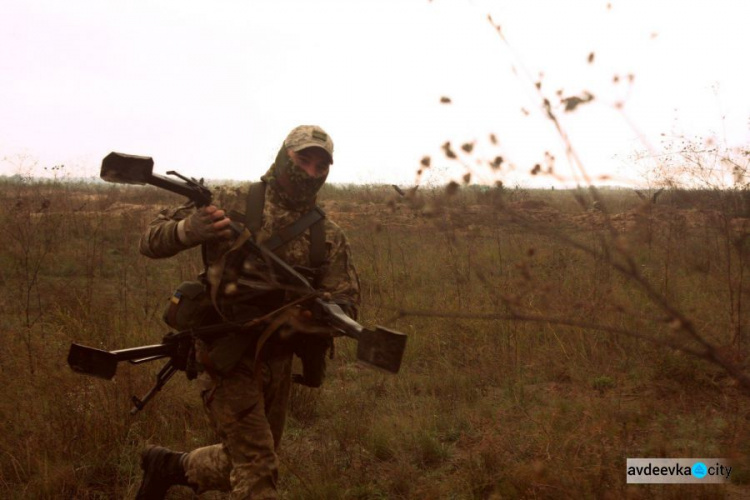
<point>481,409</point>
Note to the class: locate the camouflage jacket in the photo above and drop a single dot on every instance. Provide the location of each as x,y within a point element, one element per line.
<point>336,276</point>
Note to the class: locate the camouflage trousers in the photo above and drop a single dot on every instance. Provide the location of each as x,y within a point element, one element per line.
<point>247,410</point>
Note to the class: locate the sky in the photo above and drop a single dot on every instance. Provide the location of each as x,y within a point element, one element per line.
<point>212,88</point>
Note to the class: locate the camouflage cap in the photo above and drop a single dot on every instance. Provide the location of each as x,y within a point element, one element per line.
<point>309,136</point>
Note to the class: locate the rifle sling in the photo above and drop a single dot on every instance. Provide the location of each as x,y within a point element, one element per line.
<point>293,230</point>
<point>256,198</point>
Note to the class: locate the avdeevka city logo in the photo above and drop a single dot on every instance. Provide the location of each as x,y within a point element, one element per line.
<point>699,470</point>
<point>678,470</point>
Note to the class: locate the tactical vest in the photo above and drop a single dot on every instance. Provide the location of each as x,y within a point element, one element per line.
<point>191,305</point>
<point>312,220</point>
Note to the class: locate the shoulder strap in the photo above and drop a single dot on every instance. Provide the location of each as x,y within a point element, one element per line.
<point>318,243</point>
<point>314,220</point>
<point>296,228</point>
<point>256,198</point>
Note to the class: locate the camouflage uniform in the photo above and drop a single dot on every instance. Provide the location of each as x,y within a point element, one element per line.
<point>246,404</point>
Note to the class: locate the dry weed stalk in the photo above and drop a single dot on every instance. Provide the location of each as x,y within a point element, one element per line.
<point>613,248</point>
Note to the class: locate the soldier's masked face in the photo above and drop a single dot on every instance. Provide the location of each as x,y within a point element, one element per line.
<point>299,176</point>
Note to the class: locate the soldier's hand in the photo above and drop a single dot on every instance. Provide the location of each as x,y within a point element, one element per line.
<point>303,320</point>
<point>206,224</point>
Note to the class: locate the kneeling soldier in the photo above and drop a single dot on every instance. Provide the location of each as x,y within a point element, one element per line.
<point>245,379</point>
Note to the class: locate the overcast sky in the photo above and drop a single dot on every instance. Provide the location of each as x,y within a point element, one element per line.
<point>212,88</point>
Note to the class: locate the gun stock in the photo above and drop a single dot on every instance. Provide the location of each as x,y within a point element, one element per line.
<point>122,168</point>
<point>127,169</point>
<point>381,347</point>
<point>103,364</point>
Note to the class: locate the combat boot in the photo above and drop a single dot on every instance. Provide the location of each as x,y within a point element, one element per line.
<point>162,468</point>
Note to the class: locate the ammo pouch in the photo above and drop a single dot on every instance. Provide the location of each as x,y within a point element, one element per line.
<point>189,306</point>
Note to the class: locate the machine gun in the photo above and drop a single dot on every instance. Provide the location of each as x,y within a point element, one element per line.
<point>380,347</point>
<point>175,346</point>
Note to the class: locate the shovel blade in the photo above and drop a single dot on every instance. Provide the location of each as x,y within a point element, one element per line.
<point>382,348</point>
<point>127,169</point>
<point>90,361</point>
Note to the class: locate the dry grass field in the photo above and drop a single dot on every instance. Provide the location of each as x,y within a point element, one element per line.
<point>549,340</point>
